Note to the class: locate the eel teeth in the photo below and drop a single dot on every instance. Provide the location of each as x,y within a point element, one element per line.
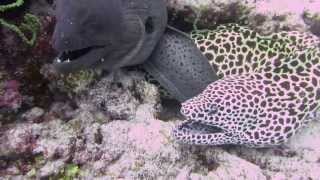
<point>68,60</point>
<point>102,59</point>
<point>59,60</point>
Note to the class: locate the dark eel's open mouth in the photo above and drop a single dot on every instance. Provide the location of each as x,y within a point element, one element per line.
<point>69,56</point>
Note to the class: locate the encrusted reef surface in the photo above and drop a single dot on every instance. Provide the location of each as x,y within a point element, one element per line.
<point>264,16</point>
<point>114,126</point>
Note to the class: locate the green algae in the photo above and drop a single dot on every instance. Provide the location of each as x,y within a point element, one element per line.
<point>77,82</point>
<point>16,4</point>
<point>29,25</point>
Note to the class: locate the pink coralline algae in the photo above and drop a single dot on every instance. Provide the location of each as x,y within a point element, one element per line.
<point>10,96</point>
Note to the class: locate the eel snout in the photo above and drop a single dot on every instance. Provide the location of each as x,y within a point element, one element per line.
<point>200,127</point>
<point>195,121</point>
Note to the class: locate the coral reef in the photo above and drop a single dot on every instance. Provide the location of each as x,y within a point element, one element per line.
<point>111,126</point>
<point>21,63</point>
<point>77,82</point>
<point>263,16</point>
<point>90,144</point>
<point>119,94</point>
<point>10,96</point>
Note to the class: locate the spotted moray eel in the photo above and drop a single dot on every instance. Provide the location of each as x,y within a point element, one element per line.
<point>268,89</point>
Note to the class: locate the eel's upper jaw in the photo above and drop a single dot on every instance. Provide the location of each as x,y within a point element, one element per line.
<point>73,60</point>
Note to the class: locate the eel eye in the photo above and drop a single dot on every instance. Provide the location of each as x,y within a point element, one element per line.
<point>212,109</point>
<point>149,26</point>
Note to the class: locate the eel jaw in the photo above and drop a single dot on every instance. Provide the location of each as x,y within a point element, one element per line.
<point>197,133</point>
<point>77,59</point>
<point>73,55</point>
<point>197,127</point>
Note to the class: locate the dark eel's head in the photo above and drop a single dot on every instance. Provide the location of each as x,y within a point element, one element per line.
<point>106,34</point>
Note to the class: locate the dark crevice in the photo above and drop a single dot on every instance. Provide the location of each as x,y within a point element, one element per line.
<point>170,108</point>
<point>98,137</point>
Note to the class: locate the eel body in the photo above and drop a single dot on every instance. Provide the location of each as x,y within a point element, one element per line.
<point>177,67</point>
<point>269,86</point>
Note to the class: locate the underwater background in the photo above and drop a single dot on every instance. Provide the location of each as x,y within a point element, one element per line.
<point>93,124</point>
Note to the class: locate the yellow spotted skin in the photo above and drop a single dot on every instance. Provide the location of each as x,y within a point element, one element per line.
<point>269,86</point>
<point>233,49</point>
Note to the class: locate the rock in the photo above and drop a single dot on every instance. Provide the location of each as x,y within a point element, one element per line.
<point>34,115</point>
<point>13,170</point>
<point>10,96</point>
<point>119,94</point>
<point>81,139</point>
<point>61,110</point>
<point>298,160</point>
<point>74,83</point>
<point>18,140</point>
<point>138,149</point>
<point>42,7</point>
<point>209,13</point>
<point>55,140</point>
<point>285,15</point>
<point>144,149</point>
<point>233,166</point>
<point>305,144</point>
<point>184,173</point>
<point>263,16</point>
<point>52,139</point>
<point>50,169</point>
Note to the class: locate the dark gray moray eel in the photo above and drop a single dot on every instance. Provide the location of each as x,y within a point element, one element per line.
<point>179,66</point>
<point>110,34</point>
<point>106,34</point>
